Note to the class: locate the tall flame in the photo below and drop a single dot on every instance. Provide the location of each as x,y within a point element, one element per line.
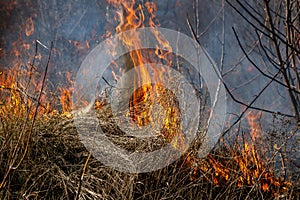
<point>132,16</point>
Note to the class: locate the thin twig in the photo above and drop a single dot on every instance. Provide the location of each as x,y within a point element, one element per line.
<point>228,90</point>
<point>37,107</point>
<point>82,175</point>
<point>14,154</point>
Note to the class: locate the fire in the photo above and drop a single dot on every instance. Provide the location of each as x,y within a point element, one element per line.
<point>20,83</point>
<point>253,121</point>
<point>16,88</point>
<point>130,17</point>
<point>19,88</point>
<point>29,28</point>
<point>246,168</point>
<point>66,95</point>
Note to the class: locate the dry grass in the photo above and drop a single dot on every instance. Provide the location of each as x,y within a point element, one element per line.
<point>56,165</point>
<point>53,166</point>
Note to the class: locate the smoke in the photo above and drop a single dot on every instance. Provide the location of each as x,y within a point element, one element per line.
<point>76,27</point>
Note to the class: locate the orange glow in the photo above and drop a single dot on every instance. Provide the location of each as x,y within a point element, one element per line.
<point>252,169</point>
<point>65,100</point>
<point>66,95</point>
<point>15,98</point>
<point>253,121</point>
<point>18,97</point>
<point>131,16</point>
<point>79,46</point>
<point>29,27</point>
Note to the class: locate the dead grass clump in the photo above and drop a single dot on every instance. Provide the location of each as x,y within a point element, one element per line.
<point>53,169</point>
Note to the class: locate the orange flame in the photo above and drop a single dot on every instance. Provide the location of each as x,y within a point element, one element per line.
<point>18,91</point>
<point>66,95</point>
<point>29,27</point>
<point>132,16</point>
<point>253,121</point>
<point>251,168</point>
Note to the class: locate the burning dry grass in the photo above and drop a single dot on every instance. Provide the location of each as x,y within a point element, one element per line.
<point>42,156</point>
<point>58,166</point>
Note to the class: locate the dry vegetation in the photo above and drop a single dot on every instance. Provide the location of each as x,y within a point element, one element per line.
<point>56,165</point>
<point>42,157</point>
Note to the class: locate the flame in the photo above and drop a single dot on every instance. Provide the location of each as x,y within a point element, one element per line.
<point>130,17</point>
<point>246,167</point>
<point>29,27</point>
<point>20,83</point>
<point>65,100</point>
<point>253,121</point>
<point>17,98</point>
<point>66,94</point>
